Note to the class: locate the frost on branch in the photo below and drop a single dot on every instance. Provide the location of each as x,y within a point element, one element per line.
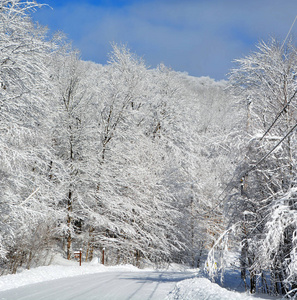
<point>279,248</point>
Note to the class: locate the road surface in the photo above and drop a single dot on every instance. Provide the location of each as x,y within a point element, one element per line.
<point>102,286</point>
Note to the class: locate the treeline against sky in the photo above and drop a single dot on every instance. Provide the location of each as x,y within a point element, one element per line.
<point>118,157</point>
<point>150,165</point>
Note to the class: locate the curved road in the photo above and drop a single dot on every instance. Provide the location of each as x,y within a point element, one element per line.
<point>102,286</point>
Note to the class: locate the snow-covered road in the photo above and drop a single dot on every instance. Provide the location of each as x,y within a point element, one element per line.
<point>65,280</point>
<point>103,286</point>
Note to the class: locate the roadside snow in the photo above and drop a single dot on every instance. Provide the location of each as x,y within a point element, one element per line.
<point>118,285</point>
<point>202,288</point>
<point>61,269</point>
<point>177,282</point>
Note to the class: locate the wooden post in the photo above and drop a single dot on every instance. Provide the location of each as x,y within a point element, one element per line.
<point>77,254</point>
<point>102,259</point>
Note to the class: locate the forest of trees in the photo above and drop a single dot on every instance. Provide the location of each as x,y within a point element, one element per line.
<point>153,166</point>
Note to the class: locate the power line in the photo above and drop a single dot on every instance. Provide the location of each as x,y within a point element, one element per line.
<point>273,123</point>
<point>293,94</point>
<point>266,155</point>
<point>249,170</point>
<point>278,115</point>
<point>289,32</point>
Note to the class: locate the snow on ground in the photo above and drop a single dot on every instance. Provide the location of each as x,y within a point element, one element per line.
<point>92,282</point>
<point>61,268</point>
<point>202,288</point>
<point>117,282</point>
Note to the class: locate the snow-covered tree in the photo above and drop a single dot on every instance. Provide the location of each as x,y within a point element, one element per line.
<point>26,196</point>
<point>73,136</point>
<point>265,85</point>
<point>131,212</point>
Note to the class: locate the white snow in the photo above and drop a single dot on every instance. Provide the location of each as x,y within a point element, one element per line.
<point>67,280</point>
<point>202,288</point>
<point>94,282</point>
<point>60,269</point>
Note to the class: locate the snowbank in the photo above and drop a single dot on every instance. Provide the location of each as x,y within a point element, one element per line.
<point>202,288</point>
<point>188,289</point>
<point>60,269</point>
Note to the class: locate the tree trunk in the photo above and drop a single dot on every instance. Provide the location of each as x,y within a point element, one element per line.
<point>69,219</point>
<point>137,256</point>
<point>90,247</point>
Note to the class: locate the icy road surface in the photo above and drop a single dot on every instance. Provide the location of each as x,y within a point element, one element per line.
<point>102,286</point>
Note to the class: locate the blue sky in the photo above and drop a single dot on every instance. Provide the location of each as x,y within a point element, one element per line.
<point>200,37</point>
